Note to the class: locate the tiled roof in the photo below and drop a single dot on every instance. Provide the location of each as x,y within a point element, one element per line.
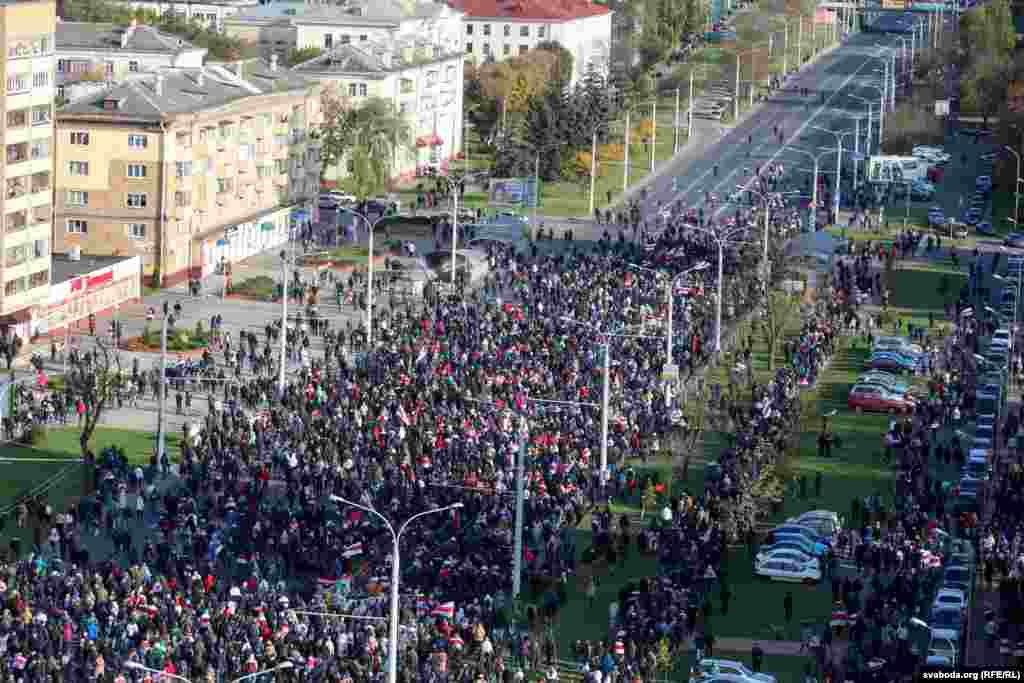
<point>72,35</point>
<point>373,57</point>
<point>185,91</point>
<point>537,10</point>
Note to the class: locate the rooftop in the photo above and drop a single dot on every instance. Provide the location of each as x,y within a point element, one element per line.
<point>270,12</point>
<point>111,37</point>
<point>184,91</point>
<point>62,268</point>
<point>536,10</point>
<point>374,57</point>
<point>371,12</point>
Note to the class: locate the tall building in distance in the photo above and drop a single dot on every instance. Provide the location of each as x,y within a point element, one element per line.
<point>30,65</point>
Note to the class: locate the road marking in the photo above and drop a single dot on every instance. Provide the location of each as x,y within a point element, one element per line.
<point>796,134</point>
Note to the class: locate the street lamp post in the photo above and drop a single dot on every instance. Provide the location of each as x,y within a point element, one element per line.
<point>867,136</point>
<point>453,189</point>
<point>881,110</point>
<point>838,135</point>
<point>721,240</point>
<point>161,444</point>
<point>816,159</point>
<point>371,227</point>
<point>396,573</point>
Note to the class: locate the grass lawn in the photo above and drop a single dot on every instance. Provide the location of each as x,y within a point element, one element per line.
<point>925,288</point>
<point>259,287</point>
<point>1003,205</point>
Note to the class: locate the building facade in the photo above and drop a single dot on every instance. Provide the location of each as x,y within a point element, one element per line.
<point>210,13</point>
<point>105,52</point>
<point>188,169</point>
<point>421,80</point>
<point>30,66</point>
<point>504,28</point>
<point>379,21</point>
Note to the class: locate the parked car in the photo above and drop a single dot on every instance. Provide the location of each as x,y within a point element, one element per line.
<point>985,228</point>
<point>891,381</point>
<point>804,532</point>
<point>784,570</point>
<point>737,671</point>
<point>983,183</point>
<point>874,399</point>
<point>893,362</point>
<point>791,543</point>
<point>972,216</point>
<point>959,577</point>
<point>789,554</point>
<point>825,522</point>
<point>947,622</point>
<point>950,598</point>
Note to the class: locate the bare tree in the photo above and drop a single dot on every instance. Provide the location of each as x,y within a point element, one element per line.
<point>94,380</point>
<point>687,438</point>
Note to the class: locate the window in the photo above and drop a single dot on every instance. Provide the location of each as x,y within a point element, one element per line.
<point>245,152</point>
<point>541,30</point>
<point>328,41</point>
<point>15,286</point>
<point>77,226</point>
<point>182,169</point>
<point>80,138</point>
<point>41,79</point>
<point>200,166</point>
<point>17,118</point>
<point>184,140</point>
<point>136,231</point>
<point>16,255</point>
<point>523,49</point>
<point>108,67</point>
<point>17,83</point>
<point>40,149</point>
<point>487,29</point>
<point>363,38</point>
<point>41,181</point>
<point>224,185</point>
<point>469,29</point>
<point>182,198</point>
<point>133,67</point>
<point>137,141</point>
<point>76,198</point>
<point>17,153</point>
<point>38,279</point>
<point>39,249</point>
<point>344,39</point>
<point>449,74</point>
<point>524,31</point>
<point>507,50</point>
<point>136,170</point>
<point>78,168</point>
<point>431,78</point>
<point>353,89</point>
<point>40,114</point>
<point>16,221</point>
<point>508,30</point>
<point>405,86</point>
<point>403,108</point>
<point>487,48</point>
<point>469,47</point>
<point>136,200</point>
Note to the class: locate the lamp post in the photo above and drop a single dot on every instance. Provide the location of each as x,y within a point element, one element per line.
<point>689,115</point>
<point>371,226</point>
<point>396,573</point>
<point>453,189</point>
<point>765,200</point>
<point>867,136</point>
<point>702,265</point>
<point>881,109</point>
<point>722,240</point>
<point>838,135</point>
<point>161,443</point>
<point>816,159</point>
<point>1016,188</point>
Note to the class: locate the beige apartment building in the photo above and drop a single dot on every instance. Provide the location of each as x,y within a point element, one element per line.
<point>188,168</point>
<point>29,64</point>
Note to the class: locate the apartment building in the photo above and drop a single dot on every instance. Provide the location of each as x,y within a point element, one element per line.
<point>107,52</point>
<point>377,21</point>
<point>188,168</point>
<point>29,63</point>
<point>421,79</point>
<point>503,28</point>
<point>209,13</point>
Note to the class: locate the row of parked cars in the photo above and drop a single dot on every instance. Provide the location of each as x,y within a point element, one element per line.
<point>882,387</point>
<point>794,551</point>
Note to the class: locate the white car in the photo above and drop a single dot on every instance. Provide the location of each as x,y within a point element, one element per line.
<point>950,597</point>
<point>787,570</point>
<point>1002,338</point>
<point>736,671</point>
<point>789,554</point>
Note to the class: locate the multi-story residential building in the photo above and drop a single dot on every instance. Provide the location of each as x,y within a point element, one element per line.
<point>209,13</point>
<point>188,168</point>
<point>106,52</point>
<point>503,28</point>
<point>271,26</point>
<point>29,63</point>
<point>421,79</point>
<point>379,21</point>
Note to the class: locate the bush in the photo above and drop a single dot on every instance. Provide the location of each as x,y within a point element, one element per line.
<point>36,436</point>
<point>149,337</point>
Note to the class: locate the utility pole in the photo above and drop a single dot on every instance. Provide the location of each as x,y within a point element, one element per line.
<point>625,157</point>
<point>799,42</point>
<point>517,562</point>
<point>593,172</point>
<point>785,49</point>
<point>689,114</point>
<point>605,403</point>
<point>736,93</point>
<point>281,381</point>
<point>675,127</point>
<point>161,447</point>
<point>654,127</point>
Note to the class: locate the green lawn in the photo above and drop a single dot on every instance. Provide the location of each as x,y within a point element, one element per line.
<point>925,288</point>
<point>259,287</point>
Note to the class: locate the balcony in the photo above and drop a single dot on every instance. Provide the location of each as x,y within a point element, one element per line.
<point>16,221</point>
<point>42,215</point>
<point>18,153</point>
<point>41,182</point>
<point>16,187</point>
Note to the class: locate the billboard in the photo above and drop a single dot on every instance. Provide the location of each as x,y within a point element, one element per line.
<point>513,192</point>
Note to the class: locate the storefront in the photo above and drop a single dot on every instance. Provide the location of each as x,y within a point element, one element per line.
<point>89,285</point>
<point>247,239</point>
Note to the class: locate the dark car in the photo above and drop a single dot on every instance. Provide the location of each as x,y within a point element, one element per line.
<point>1015,240</point>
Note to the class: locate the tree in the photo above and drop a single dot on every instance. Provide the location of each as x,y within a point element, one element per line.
<point>95,381</point>
<point>378,134</point>
<point>983,86</point>
<point>543,130</point>
<point>781,312</point>
<point>337,132</point>
<point>563,59</point>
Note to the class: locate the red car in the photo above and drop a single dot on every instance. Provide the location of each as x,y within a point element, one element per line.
<point>876,399</point>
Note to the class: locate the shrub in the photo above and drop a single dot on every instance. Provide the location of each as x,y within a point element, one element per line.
<point>36,436</point>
